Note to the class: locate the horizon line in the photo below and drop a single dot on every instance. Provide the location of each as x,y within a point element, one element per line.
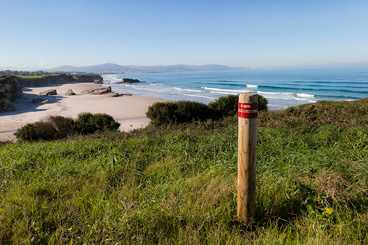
<point>245,67</point>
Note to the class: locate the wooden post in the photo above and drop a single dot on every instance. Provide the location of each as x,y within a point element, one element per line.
<point>247,141</point>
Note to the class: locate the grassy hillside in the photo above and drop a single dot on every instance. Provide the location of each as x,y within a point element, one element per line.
<point>177,184</point>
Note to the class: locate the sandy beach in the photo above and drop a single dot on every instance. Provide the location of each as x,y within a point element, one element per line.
<point>129,111</point>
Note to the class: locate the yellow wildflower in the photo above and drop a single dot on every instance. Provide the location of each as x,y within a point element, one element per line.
<point>107,205</point>
<point>329,211</point>
<point>70,228</point>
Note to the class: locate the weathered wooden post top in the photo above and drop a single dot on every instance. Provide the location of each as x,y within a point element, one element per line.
<point>247,142</point>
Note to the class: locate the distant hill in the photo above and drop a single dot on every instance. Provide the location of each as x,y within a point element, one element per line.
<point>104,68</point>
<point>115,68</point>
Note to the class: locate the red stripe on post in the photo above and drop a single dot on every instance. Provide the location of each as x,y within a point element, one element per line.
<point>248,110</point>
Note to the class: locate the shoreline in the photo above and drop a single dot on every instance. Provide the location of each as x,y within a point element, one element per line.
<point>282,88</point>
<point>129,111</point>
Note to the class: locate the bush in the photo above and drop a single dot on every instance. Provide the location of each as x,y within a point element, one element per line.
<point>228,105</point>
<point>37,131</point>
<point>58,127</point>
<point>225,106</point>
<point>186,111</point>
<point>83,123</point>
<point>262,103</point>
<point>177,112</point>
<point>162,112</point>
<point>63,125</point>
<point>88,123</point>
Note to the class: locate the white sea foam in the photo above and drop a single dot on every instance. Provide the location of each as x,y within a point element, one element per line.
<point>193,90</point>
<point>277,106</point>
<point>200,96</point>
<point>111,78</point>
<point>300,99</point>
<point>305,95</point>
<point>252,86</point>
<point>219,90</point>
<point>270,93</point>
<point>277,95</point>
<point>188,90</point>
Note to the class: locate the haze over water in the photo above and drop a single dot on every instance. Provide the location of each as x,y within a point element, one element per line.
<point>282,88</point>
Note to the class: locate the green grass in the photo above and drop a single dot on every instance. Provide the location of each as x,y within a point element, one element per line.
<point>34,76</point>
<point>177,184</point>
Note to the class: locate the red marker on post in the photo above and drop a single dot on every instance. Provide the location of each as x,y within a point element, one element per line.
<point>248,110</point>
<point>247,142</point>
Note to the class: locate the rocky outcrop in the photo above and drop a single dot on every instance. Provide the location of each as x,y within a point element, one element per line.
<point>69,92</point>
<point>10,90</point>
<point>59,79</point>
<point>45,81</point>
<point>98,91</point>
<point>97,79</point>
<point>114,94</point>
<point>10,86</point>
<point>129,80</point>
<point>48,92</point>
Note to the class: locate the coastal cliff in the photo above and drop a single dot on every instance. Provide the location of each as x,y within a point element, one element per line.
<point>10,86</point>
<point>10,90</point>
<point>59,79</point>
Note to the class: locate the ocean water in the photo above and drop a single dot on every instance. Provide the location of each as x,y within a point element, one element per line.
<point>282,87</point>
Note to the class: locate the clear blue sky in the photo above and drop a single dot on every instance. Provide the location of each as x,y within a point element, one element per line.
<point>248,33</point>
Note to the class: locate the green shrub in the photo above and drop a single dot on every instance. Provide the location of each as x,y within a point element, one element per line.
<point>83,123</point>
<point>225,106</point>
<point>228,105</point>
<point>262,103</point>
<point>58,127</point>
<point>63,125</point>
<point>177,112</point>
<point>37,131</point>
<point>162,112</point>
<point>88,123</point>
<point>104,122</point>
<point>186,111</point>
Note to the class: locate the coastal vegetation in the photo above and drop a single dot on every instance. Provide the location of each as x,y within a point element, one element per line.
<point>58,127</point>
<point>34,76</point>
<point>177,183</point>
<point>23,73</point>
<point>178,112</point>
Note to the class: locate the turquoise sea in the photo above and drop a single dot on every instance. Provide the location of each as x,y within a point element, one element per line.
<point>282,87</point>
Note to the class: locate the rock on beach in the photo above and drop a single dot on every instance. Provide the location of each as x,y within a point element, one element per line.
<point>97,91</point>
<point>69,92</point>
<point>48,92</point>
